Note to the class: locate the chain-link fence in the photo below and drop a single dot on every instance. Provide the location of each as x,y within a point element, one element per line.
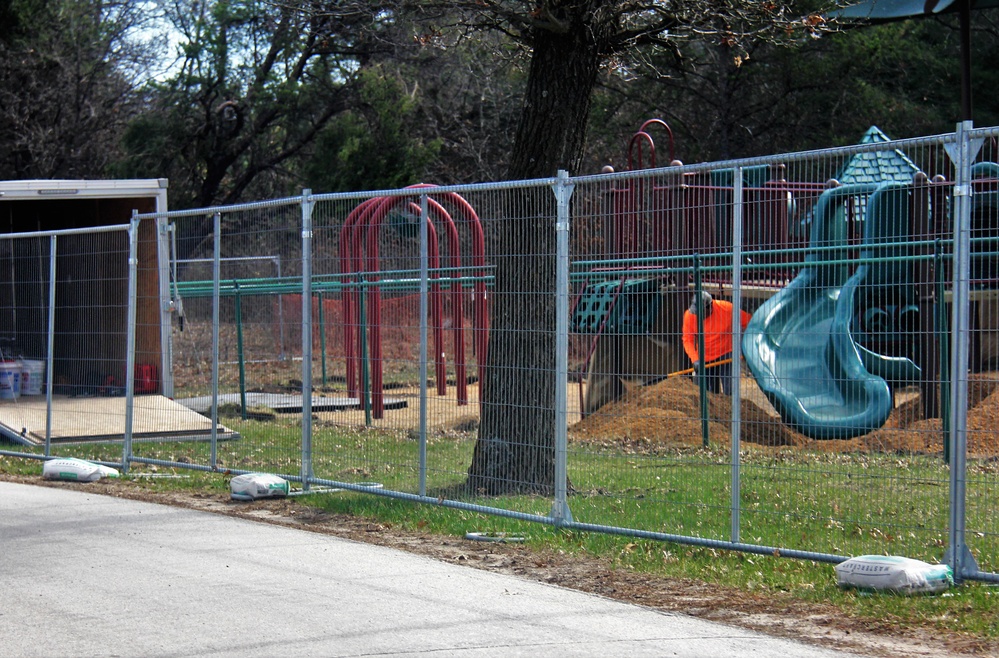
<point>791,355</point>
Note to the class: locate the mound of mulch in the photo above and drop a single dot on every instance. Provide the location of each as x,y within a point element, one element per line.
<point>668,414</point>
<point>655,418</point>
<point>926,435</point>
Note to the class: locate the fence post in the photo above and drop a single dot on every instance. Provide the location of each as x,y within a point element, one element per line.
<point>737,238</point>
<point>306,469</point>
<point>563,192</point>
<point>277,266</point>
<point>424,330</point>
<point>700,371</point>
<point>216,311</point>
<point>50,353</point>
<point>322,335</point>
<point>133,270</point>
<point>239,350</point>
<point>962,152</point>
<point>942,335</point>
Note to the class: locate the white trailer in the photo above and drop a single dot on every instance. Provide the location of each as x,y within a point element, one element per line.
<point>91,286</point>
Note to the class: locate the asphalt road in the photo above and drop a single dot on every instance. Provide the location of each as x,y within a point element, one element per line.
<point>88,575</point>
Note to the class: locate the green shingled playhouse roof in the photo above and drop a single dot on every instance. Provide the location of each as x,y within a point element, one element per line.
<point>877,166</point>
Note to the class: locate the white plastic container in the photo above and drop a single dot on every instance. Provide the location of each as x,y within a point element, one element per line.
<point>10,380</point>
<point>77,470</point>
<point>258,485</point>
<point>32,374</point>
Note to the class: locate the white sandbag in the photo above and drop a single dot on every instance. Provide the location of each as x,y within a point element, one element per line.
<point>258,485</point>
<point>78,470</point>
<point>894,574</point>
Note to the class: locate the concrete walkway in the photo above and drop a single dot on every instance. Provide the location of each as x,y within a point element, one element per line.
<point>89,575</point>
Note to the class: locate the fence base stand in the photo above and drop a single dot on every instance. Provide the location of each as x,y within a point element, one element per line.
<point>967,564</point>
<point>561,514</point>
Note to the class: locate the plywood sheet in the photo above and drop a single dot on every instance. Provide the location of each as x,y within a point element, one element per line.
<point>102,419</point>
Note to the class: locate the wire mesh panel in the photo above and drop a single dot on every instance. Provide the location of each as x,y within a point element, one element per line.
<point>639,454</point>
<point>417,296</point>
<point>838,452</point>
<point>366,328</point>
<point>234,361</point>
<point>830,358</point>
<point>514,452</point>
<point>65,338</point>
<point>790,354</point>
<point>24,303</point>
<point>982,492</point>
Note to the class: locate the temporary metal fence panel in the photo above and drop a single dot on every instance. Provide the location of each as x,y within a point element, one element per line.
<point>413,302</point>
<point>236,287</point>
<point>67,298</point>
<point>367,320</point>
<point>780,238</point>
<point>519,348</point>
<point>981,477</point>
<point>831,449</point>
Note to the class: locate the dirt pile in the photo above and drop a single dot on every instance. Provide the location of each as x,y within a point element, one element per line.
<point>668,415</point>
<point>907,431</point>
<point>663,416</point>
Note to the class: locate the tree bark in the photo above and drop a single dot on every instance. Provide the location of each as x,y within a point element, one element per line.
<point>515,450</point>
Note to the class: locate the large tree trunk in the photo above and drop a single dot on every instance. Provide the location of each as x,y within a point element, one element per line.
<point>515,450</point>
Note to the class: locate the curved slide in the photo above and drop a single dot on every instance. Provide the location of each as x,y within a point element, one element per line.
<point>798,344</point>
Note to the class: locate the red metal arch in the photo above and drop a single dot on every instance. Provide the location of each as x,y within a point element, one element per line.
<point>359,247</point>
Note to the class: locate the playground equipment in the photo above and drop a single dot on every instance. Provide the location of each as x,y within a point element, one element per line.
<point>832,341</point>
<point>799,344</point>
<point>632,310</point>
<point>690,212</point>
<point>359,260</point>
<point>359,285</point>
<point>827,350</point>
<point>985,224</point>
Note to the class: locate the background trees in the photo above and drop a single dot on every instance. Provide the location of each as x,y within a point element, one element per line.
<point>69,70</point>
<point>255,85</point>
<point>267,98</point>
<point>319,82</point>
<point>370,146</point>
<point>826,91</point>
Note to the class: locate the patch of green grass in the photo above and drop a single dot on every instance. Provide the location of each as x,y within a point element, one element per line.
<point>843,504</point>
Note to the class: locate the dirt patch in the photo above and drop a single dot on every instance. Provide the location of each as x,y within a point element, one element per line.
<point>772,612</point>
<point>667,415</point>
<point>910,432</point>
<point>638,422</point>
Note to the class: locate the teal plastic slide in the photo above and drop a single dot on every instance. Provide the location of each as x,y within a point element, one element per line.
<point>799,344</point>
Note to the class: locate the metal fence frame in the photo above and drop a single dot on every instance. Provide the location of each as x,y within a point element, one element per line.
<point>962,147</point>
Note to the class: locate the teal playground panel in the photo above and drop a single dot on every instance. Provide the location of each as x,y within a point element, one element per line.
<point>618,307</point>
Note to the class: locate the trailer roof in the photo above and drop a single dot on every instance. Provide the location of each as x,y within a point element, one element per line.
<point>22,190</point>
